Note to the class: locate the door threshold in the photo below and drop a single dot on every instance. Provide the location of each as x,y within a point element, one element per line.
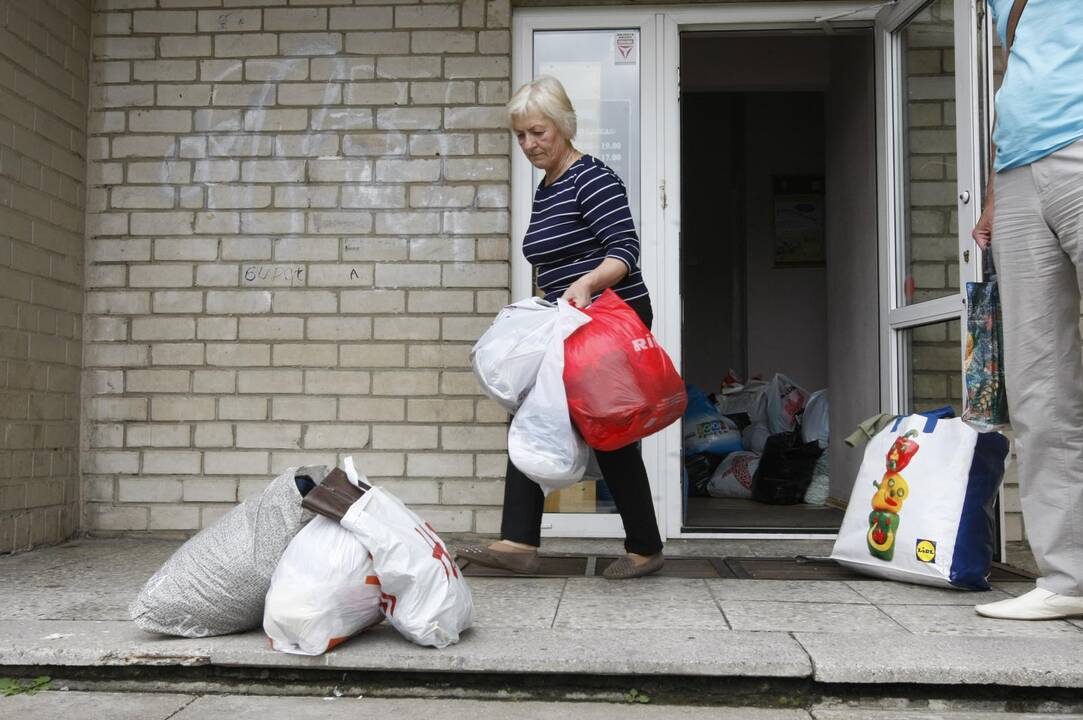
<point>715,534</point>
<point>763,530</point>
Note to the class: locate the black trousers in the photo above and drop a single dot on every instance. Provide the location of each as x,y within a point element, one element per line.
<point>624,475</point>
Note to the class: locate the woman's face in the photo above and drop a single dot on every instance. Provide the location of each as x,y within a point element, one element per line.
<point>540,140</point>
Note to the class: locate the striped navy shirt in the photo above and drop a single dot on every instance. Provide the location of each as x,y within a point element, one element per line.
<point>577,222</point>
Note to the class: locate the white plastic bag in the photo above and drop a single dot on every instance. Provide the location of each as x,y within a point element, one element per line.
<point>815,424</point>
<point>733,476</point>
<point>323,592</point>
<point>743,399</point>
<point>216,582</point>
<point>785,400</point>
<point>542,442</point>
<point>507,357</point>
<point>423,592</point>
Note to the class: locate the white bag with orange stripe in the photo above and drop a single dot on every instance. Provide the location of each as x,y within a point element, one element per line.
<point>423,592</point>
<point>323,592</point>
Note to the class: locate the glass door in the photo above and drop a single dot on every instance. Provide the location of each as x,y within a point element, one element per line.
<point>600,60</point>
<point>930,199</point>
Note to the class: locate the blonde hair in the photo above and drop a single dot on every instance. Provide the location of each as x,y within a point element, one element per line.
<point>544,94</point>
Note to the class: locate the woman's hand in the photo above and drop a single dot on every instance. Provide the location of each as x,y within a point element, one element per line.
<point>580,292</point>
<point>983,231</point>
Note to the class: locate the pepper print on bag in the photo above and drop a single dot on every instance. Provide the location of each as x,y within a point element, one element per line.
<point>891,492</point>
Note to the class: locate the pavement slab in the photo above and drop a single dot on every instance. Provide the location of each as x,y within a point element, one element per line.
<point>963,621</point>
<point>57,705</point>
<point>523,603</point>
<point>819,591</point>
<point>947,660</point>
<point>836,618</point>
<point>882,592</point>
<point>1014,588</point>
<point>647,603</point>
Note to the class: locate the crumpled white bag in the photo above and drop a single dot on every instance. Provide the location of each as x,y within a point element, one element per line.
<point>542,442</point>
<point>507,356</point>
<point>733,476</point>
<point>323,592</point>
<point>423,592</point>
<point>785,401</point>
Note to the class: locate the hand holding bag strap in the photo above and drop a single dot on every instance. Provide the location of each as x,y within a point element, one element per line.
<point>1013,21</point>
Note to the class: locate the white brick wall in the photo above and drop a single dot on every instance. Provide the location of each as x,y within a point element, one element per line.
<point>44,54</point>
<point>297,227</point>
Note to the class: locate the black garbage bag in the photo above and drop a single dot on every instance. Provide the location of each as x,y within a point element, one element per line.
<point>785,469</point>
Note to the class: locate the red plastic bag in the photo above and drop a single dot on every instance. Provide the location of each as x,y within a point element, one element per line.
<point>621,385</point>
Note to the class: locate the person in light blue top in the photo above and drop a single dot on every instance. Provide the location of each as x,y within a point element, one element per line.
<point>1040,103</point>
<point>1033,223</point>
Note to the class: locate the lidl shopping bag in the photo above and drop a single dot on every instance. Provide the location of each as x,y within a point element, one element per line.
<point>507,356</point>
<point>323,592</point>
<point>422,591</point>
<point>542,442</point>
<point>921,510</point>
<point>621,385</point>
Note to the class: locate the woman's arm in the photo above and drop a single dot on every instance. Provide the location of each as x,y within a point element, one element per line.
<point>603,201</point>
<point>608,274</point>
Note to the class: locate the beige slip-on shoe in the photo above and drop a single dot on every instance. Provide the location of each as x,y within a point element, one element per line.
<point>518,562</point>
<point>625,568</point>
<point>1038,604</point>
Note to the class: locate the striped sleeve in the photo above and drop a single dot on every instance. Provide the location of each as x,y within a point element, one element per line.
<point>603,203</point>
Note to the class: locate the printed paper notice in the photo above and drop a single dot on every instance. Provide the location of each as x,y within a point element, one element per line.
<point>624,46</point>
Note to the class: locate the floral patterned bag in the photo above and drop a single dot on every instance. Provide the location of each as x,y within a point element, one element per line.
<point>986,402</point>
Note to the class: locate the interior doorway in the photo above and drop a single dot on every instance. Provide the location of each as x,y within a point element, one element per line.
<point>779,272</point>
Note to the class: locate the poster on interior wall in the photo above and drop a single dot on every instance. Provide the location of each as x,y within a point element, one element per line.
<point>799,220</point>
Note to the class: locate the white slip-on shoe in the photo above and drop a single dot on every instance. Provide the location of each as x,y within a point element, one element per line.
<point>1038,604</point>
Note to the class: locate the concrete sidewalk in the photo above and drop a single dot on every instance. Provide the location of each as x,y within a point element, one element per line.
<point>65,607</point>
<point>168,706</point>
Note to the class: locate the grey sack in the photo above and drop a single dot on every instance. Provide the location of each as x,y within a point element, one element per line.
<point>216,582</point>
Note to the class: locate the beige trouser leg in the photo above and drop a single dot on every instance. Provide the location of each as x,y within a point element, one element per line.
<point>1038,249</point>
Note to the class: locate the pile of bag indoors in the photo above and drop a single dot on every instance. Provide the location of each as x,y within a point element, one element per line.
<point>575,380</point>
<point>764,441</point>
<point>317,557</point>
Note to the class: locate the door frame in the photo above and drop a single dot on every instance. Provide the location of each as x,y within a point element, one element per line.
<point>890,104</point>
<point>660,31</point>
<point>525,22</point>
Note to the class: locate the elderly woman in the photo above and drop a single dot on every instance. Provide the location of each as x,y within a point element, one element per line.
<point>581,240</point>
